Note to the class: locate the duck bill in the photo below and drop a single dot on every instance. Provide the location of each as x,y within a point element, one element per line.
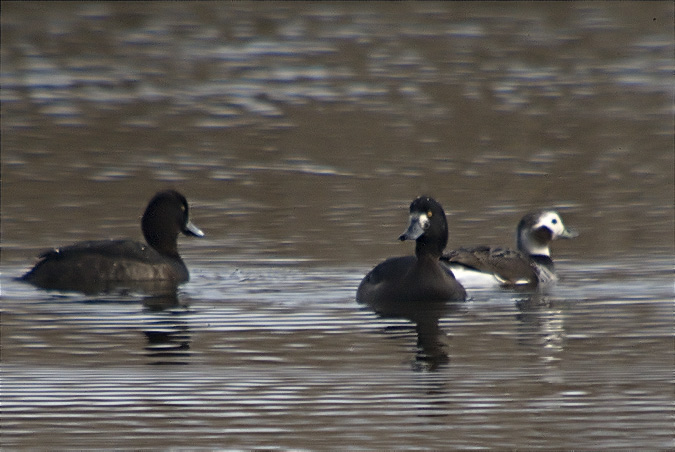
<point>416,228</point>
<point>568,233</point>
<point>191,229</point>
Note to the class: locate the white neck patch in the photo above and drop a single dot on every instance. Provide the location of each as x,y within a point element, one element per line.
<point>532,247</point>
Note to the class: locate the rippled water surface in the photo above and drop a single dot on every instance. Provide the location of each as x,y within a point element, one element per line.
<point>299,133</point>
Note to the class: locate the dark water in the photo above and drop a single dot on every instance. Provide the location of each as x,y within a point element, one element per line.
<point>300,133</point>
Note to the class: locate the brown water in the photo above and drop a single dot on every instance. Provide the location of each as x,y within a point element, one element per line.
<point>300,133</point>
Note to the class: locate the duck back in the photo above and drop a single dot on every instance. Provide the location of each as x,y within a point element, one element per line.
<point>97,266</point>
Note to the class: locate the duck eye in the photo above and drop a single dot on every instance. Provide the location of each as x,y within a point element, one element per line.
<point>554,221</point>
<point>429,214</point>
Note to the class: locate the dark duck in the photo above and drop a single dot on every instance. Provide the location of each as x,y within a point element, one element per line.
<point>104,265</point>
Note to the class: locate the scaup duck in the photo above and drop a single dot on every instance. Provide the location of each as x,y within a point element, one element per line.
<point>409,286</point>
<point>99,266</point>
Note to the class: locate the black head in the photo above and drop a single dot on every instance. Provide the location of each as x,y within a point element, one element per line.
<point>428,227</point>
<point>166,216</point>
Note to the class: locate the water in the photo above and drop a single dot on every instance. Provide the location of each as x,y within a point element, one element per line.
<point>299,135</point>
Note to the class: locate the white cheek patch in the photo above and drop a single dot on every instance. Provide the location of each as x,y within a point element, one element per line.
<point>423,221</point>
<point>552,221</point>
<point>419,223</point>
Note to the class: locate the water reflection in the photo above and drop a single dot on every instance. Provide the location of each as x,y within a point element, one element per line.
<point>541,330</point>
<point>162,301</point>
<point>169,342</point>
<point>433,343</point>
<point>540,322</point>
<point>167,332</point>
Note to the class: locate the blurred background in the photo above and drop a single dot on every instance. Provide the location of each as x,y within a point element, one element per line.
<point>303,130</point>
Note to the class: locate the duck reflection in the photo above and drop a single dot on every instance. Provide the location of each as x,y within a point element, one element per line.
<point>167,332</point>
<point>432,342</point>
<point>540,322</point>
<point>541,329</point>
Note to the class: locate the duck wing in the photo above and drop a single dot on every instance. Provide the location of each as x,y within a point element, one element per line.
<point>114,249</point>
<point>510,267</point>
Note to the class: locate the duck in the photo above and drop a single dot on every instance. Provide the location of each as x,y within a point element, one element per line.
<point>104,265</point>
<point>416,286</point>
<point>530,265</point>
